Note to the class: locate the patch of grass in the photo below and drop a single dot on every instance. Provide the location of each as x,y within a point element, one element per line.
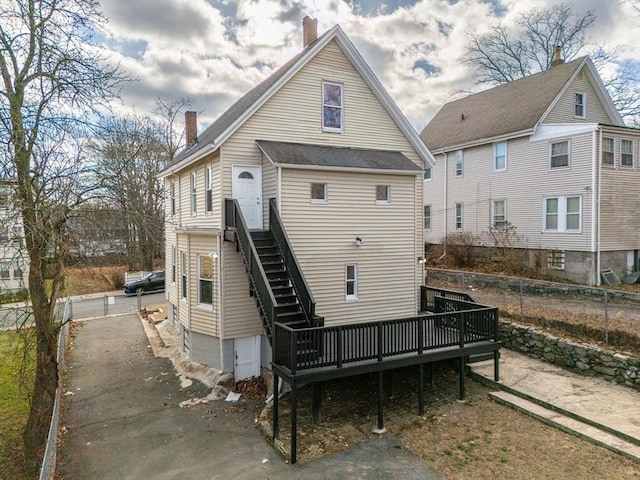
<point>15,388</point>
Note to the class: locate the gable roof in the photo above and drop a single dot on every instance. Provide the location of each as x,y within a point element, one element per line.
<point>225,125</point>
<point>511,108</point>
<point>299,155</point>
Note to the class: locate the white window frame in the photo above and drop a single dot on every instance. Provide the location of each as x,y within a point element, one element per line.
<point>386,198</point>
<point>427,217</point>
<point>459,216</point>
<point>194,193</point>
<point>172,195</point>
<point>351,280</point>
<point>325,105</point>
<point>495,157</point>
<point>458,164</point>
<point>628,141</point>
<point>208,190</point>
<point>561,167</point>
<point>494,215</point>
<point>325,198</point>
<point>174,266</point>
<point>605,141</point>
<point>562,214</point>
<point>184,279</point>
<point>582,104</point>
<point>203,280</point>
<point>427,175</point>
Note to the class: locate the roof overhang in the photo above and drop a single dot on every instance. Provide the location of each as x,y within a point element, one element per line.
<point>558,130</point>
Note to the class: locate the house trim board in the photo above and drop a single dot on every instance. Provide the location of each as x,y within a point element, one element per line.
<point>484,141</point>
<point>347,169</point>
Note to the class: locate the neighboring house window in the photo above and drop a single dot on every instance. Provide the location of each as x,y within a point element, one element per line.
<point>427,217</point>
<point>194,197</point>
<point>555,259</point>
<point>427,173</point>
<point>208,191</point>
<point>458,216</point>
<point>173,265</point>
<point>579,105</point>
<point>332,107</point>
<point>17,273</point>
<point>5,272</point>
<point>383,194</point>
<point>459,163</point>
<point>607,151</point>
<point>499,156</point>
<point>4,235</point>
<point>172,195</point>
<point>559,154</point>
<point>183,273</point>
<point>563,214</point>
<point>351,282</point>
<point>205,280</point>
<point>626,153</point>
<point>318,193</point>
<point>499,213</point>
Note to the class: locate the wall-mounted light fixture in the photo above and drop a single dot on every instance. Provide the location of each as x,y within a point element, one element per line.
<point>213,255</point>
<point>421,260</point>
<point>357,242</point>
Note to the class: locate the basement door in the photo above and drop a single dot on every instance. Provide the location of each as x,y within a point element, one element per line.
<point>247,189</point>
<point>247,357</point>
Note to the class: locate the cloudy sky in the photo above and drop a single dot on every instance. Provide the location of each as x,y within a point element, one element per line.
<point>213,51</point>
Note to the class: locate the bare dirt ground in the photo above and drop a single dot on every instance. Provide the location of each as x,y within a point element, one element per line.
<point>475,439</point>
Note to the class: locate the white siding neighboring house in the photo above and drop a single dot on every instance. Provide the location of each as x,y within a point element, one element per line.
<point>324,139</point>
<point>14,261</point>
<point>549,154</point>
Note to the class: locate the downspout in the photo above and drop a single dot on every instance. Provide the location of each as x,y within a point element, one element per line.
<point>599,191</point>
<point>279,187</point>
<point>592,191</point>
<point>446,211</point>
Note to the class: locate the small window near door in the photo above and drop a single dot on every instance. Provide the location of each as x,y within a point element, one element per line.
<point>351,282</point>
<point>246,175</point>
<point>383,194</point>
<point>319,193</point>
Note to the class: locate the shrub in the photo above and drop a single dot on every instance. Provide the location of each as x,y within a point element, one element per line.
<point>117,280</point>
<point>460,248</point>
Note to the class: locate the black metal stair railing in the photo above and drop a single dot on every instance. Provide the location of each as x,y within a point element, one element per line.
<point>305,297</point>
<point>257,276</point>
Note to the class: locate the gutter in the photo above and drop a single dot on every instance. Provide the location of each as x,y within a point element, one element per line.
<point>446,211</point>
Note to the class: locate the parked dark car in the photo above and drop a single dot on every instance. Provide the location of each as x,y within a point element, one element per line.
<point>150,282</point>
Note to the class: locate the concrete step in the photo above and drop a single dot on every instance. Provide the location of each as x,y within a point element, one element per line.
<point>568,424</point>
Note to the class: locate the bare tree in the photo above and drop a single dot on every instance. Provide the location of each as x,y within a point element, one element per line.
<point>168,110</point>
<point>52,73</point>
<point>508,53</point>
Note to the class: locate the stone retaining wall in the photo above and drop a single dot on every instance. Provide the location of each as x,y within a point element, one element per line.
<point>577,357</point>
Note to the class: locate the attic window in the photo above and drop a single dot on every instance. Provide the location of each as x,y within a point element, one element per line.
<point>332,107</point>
<point>579,104</point>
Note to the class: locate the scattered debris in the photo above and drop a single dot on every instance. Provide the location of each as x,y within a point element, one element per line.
<point>232,397</point>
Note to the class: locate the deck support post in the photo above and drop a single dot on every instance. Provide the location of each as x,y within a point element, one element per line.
<point>294,423</point>
<point>421,389</point>
<point>496,365</point>
<point>274,410</point>
<point>462,364</point>
<point>315,402</point>
<point>380,428</point>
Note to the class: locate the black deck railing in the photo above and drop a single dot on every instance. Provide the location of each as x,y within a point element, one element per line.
<point>428,294</point>
<point>257,276</point>
<point>305,297</point>
<point>376,341</point>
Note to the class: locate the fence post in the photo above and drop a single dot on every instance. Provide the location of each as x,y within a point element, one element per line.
<point>139,299</point>
<point>521,301</point>
<point>106,305</point>
<point>606,317</point>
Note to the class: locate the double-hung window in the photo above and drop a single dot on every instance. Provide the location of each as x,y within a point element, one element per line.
<point>172,196</point>
<point>427,217</point>
<point>332,107</point>
<point>208,190</point>
<point>626,153</point>
<point>194,196</point>
<point>579,105</point>
<point>183,273</point>
<point>499,213</point>
<point>563,214</point>
<point>559,154</point>
<point>607,151</point>
<point>351,282</point>
<point>459,163</point>
<point>499,156</point>
<point>205,280</point>
<point>459,212</point>
<point>173,265</point>
<point>383,194</point>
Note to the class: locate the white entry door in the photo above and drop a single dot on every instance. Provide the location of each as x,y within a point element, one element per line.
<point>247,353</point>
<point>247,189</point>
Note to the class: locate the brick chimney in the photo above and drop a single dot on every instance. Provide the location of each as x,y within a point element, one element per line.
<point>191,128</point>
<point>557,59</point>
<point>309,31</point>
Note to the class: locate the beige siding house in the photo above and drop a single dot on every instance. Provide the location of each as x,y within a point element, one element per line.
<point>322,143</point>
<point>550,155</point>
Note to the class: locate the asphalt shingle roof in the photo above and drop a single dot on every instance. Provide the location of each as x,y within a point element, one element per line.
<point>505,109</point>
<point>299,154</point>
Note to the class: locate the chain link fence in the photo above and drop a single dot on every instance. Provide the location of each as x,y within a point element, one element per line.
<point>602,314</point>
